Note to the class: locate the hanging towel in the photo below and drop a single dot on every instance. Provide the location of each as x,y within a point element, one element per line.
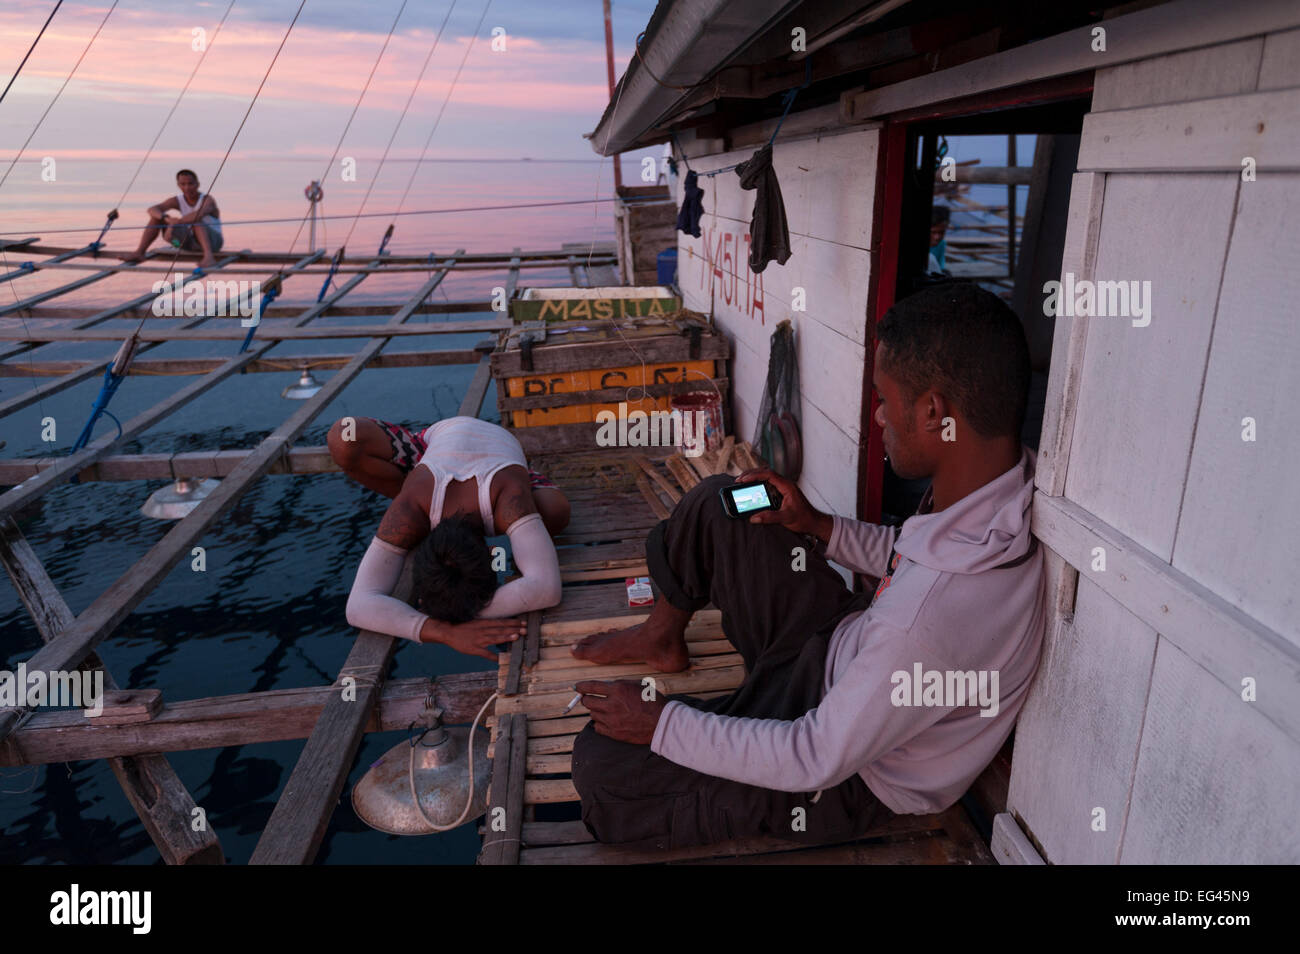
<point>688,219</point>
<point>770,236</point>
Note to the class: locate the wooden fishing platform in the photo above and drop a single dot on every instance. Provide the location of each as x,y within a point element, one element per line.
<point>616,496</point>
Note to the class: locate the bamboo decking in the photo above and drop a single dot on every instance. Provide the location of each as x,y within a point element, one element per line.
<point>616,496</point>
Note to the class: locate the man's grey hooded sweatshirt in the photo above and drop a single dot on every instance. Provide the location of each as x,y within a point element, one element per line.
<point>965,595</point>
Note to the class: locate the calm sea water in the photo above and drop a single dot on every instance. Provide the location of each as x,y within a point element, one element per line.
<point>268,613</point>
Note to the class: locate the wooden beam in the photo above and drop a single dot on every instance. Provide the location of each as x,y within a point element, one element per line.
<point>237,333</point>
<point>116,602</point>
<point>584,355</point>
<point>608,395</point>
<point>297,824</point>
<point>31,268</point>
<point>278,364</point>
<point>1221,638</point>
<point>1165,28</point>
<point>278,311</point>
<point>151,785</point>
<point>246,718</point>
<point>507,794</point>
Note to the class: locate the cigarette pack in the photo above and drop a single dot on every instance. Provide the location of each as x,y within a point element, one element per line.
<point>639,592</point>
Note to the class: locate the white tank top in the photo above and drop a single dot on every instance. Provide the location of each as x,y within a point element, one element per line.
<point>464,447</point>
<point>209,220</point>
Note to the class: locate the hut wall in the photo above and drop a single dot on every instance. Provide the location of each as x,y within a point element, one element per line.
<point>827,184</point>
<point>1169,693</point>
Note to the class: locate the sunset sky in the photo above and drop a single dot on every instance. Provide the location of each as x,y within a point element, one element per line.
<point>535,99</point>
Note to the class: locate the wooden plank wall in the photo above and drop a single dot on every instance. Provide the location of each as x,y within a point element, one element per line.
<point>1141,706</point>
<point>829,210</point>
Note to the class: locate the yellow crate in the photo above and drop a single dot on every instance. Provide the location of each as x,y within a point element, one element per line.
<point>664,373</point>
<point>558,382</point>
<point>570,382</point>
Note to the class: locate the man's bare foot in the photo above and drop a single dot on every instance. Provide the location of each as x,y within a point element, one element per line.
<point>207,262</point>
<point>662,648</point>
<point>133,259</point>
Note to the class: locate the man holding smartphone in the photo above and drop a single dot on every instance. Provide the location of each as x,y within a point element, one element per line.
<point>817,745</point>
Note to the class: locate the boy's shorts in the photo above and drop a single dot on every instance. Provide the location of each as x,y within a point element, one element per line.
<point>409,446</point>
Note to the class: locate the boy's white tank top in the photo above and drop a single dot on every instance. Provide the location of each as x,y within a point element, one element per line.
<point>210,220</point>
<point>463,447</point>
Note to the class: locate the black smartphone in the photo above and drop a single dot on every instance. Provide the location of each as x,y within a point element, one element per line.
<point>741,500</point>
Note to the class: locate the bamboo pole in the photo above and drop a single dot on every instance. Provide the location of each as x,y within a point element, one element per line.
<point>151,785</point>
<point>31,268</point>
<point>246,718</point>
<point>237,333</point>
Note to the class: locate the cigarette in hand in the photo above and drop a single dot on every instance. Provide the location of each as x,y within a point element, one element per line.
<point>572,702</point>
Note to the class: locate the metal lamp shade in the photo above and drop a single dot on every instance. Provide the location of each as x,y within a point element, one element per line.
<point>382,799</point>
<point>306,386</point>
<point>177,500</point>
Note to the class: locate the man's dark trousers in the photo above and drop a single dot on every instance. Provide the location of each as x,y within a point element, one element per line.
<point>780,619</point>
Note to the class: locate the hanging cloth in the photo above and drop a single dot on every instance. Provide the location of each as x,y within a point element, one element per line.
<point>688,219</point>
<point>770,236</point>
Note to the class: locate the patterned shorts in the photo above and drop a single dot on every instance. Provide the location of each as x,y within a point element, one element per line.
<point>409,446</point>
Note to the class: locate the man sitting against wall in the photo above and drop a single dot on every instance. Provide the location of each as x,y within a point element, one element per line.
<point>847,713</point>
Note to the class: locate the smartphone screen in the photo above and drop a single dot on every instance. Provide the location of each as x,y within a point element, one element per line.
<point>749,499</point>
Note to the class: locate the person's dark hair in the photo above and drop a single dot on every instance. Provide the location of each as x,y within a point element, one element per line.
<point>938,214</point>
<point>965,343</point>
<point>188,172</point>
<point>452,575</point>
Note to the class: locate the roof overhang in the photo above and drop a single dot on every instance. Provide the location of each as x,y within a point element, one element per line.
<point>686,42</point>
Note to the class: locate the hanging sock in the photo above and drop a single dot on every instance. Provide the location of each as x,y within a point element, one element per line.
<point>770,235</point>
<point>688,219</point>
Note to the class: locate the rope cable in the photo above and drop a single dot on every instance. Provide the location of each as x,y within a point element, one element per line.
<point>410,96</point>
<point>355,106</point>
<point>66,80</point>
<point>446,99</point>
<point>29,50</point>
<point>172,111</point>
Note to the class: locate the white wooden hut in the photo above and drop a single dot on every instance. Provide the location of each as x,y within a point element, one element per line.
<point>1165,721</point>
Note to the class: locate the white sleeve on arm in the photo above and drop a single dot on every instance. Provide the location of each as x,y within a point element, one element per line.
<point>862,547</point>
<point>855,724</point>
<point>535,556</point>
<point>369,604</point>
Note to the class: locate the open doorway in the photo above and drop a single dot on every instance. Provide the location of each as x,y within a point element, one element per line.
<point>984,198</point>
